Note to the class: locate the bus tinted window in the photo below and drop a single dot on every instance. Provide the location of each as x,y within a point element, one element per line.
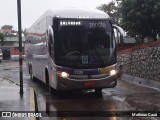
<point>84,43</point>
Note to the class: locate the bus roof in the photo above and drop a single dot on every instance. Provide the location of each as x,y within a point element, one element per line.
<point>77,13</point>
<point>74,13</point>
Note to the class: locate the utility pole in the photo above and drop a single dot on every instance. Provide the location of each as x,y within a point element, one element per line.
<point>20,46</point>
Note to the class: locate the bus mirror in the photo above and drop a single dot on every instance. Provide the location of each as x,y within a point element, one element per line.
<point>120,31</point>
<point>50,34</point>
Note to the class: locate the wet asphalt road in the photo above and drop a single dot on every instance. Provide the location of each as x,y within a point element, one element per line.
<point>124,97</point>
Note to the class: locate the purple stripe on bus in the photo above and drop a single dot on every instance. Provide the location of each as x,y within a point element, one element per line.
<point>80,71</point>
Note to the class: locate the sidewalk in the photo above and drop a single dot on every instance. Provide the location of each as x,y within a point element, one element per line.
<point>12,101</point>
<point>141,81</point>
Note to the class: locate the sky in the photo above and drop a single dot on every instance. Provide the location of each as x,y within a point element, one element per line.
<point>31,10</point>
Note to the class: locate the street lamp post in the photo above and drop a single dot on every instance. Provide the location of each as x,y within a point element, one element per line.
<point>20,46</point>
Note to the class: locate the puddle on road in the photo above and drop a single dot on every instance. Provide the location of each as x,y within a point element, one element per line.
<point>111,100</point>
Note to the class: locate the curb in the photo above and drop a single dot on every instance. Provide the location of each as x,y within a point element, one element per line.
<point>33,103</point>
<point>141,81</point>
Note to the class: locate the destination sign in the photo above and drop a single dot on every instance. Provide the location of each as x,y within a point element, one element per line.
<point>70,23</point>
<point>97,24</point>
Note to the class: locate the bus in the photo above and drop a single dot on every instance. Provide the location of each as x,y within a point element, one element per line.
<point>73,49</point>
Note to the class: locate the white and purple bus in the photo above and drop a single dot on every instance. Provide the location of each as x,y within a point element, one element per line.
<point>73,49</point>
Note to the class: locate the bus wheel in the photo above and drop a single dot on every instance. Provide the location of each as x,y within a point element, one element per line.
<point>52,91</point>
<point>49,88</point>
<point>29,69</point>
<point>31,73</point>
<point>98,91</point>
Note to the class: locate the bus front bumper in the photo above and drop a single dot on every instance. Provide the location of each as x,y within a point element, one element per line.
<point>81,84</point>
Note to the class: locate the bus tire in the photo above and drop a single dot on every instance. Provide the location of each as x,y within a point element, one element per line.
<point>28,68</point>
<point>52,91</point>
<point>98,91</point>
<point>31,74</point>
<point>49,88</point>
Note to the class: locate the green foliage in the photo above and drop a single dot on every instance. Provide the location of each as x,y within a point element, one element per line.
<point>112,9</point>
<point>141,18</point>
<point>7,27</point>
<point>6,34</point>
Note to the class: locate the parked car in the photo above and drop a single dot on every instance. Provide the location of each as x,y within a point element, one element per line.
<point>1,55</point>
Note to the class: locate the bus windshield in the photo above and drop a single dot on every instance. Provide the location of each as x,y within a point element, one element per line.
<point>84,44</point>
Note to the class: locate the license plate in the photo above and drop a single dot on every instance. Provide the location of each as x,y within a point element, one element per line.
<point>87,84</point>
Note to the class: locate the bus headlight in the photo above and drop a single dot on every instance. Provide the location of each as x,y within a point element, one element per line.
<point>112,72</point>
<point>63,74</point>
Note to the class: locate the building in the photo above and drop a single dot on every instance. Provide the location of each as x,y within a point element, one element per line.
<point>10,47</point>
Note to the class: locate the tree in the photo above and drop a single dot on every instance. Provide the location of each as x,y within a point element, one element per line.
<point>141,18</point>
<point>8,31</point>
<point>1,38</point>
<point>7,27</point>
<point>112,9</point>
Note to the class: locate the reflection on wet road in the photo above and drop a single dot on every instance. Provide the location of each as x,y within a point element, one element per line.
<point>86,104</point>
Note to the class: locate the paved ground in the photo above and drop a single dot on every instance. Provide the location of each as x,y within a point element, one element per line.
<point>125,97</point>
<point>10,99</point>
